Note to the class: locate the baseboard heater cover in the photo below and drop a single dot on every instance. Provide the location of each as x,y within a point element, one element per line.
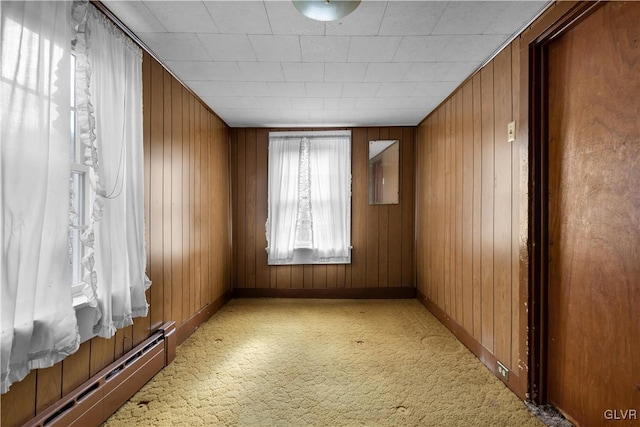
<point>94,401</point>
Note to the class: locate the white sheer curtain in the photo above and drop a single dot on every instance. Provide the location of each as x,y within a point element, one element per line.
<point>309,197</point>
<point>283,171</point>
<point>38,320</point>
<point>110,68</point>
<point>330,166</point>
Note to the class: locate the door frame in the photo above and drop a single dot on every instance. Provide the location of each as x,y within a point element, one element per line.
<point>563,16</point>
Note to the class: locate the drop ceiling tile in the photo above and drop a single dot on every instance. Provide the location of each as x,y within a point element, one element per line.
<point>307,103</point>
<point>135,15</point>
<point>374,117</point>
<point>324,116</point>
<point>288,89</point>
<point>468,17</point>
<point>440,71</point>
<point>276,48</point>
<point>298,115</point>
<point>407,117</point>
<point>273,102</point>
<point>476,48</point>
<point>391,103</point>
<point>176,46</point>
<point>324,90</point>
<point>276,118</point>
<point>324,48</point>
<point>239,17</point>
<point>228,47</point>
<point>394,72</point>
<point>183,17</point>
<point>285,19</point>
<point>514,16</point>
<point>340,103</point>
<point>422,48</point>
<point>417,104</point>
<point>386,117</point>
<point>205,70</point>
<point>373,49</point>
<point>261,71</point>
<point>364,21</point>
<point>391,90</point>
<point>250,88</point>
<point>435,89</point>
<point>411,17</point>
<point>228,88</point>
<point>344,72</point>
<point>303,72</point>
<point>221,102</point>
<point>205,88</point>
<point>355,90</point>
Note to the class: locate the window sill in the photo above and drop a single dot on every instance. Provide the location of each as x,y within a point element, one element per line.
<point>85,316</point>
<point>303,257</point>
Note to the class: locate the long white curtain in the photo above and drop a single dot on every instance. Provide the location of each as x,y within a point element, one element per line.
<point>309,197</point>
<point>284,164</point>
<point>38,320</point>
<point>110,65</point>
<point>330,166</point>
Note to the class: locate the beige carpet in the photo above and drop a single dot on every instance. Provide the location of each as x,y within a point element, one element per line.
<point>279,362</point>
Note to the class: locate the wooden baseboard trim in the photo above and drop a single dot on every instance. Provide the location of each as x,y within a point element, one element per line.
<point>189,326</point>
<point>337,293</point>
<point>481,352</point>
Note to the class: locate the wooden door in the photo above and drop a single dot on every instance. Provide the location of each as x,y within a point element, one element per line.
<point>593,341</point>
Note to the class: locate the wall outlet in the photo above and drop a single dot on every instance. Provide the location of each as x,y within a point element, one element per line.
<point>503,372</point>
<point>511,132</point>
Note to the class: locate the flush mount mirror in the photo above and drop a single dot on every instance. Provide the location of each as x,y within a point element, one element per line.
<point>384,172</point>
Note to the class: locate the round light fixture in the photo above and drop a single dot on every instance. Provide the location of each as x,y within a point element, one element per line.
<point>325,10</point>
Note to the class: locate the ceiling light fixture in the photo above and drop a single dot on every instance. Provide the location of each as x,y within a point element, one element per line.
<point>325,10</point>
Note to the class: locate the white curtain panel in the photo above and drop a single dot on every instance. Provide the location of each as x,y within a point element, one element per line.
<point>112,67</point>
<point>284,164</point>
<point>38,320</point>
<point>330,165</point>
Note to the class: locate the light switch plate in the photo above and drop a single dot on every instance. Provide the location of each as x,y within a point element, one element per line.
<point>511,132</point>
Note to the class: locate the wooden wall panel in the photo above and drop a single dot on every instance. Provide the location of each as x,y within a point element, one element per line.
<point>488,208</point>
<point>467,206</point>
<point>467,216</point>
<point>407,206</point>
<point>359,197</point>
<point>382,236</point>
<point>477,208</point>
<point>503,184</point>
<point>154,214</point>
<point>457,248</point>
<point>518,179</point>
<point>186,174</point>
<point>184,203</point>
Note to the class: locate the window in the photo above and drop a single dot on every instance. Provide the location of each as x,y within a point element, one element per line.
<point>71,165</point>
<point>309,208</point>
<point>79,197</point>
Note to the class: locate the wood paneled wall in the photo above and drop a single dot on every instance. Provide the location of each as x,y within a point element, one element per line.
<point>382,236</point>
<point>186,155</point>
<point>468,208</point>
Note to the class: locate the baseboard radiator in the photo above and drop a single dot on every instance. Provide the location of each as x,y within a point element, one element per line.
<point>99,397</point>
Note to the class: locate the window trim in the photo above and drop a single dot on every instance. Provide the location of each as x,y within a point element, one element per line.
<point>78,166</point>
<point>303,256</point>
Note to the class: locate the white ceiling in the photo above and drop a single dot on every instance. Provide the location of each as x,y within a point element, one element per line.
<point>263,64</point>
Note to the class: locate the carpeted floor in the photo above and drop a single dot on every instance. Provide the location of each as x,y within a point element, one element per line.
<point>293,362</point>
